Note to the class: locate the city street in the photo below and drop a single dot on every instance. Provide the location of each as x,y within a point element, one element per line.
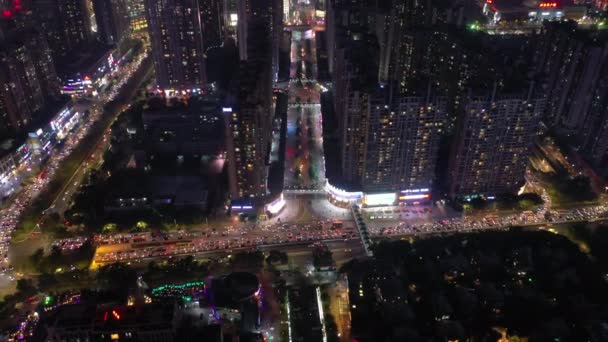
<point>304,164</point>
<point>11,214</point>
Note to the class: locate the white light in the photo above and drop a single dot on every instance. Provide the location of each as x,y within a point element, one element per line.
<point>39,132</point>
<point>380,199</point>
<point>275,206</point>
<point>321,315</point>
<point>226,109</point>
<point>411,197</point>
<point>423,190</point>
<point>342,194</point>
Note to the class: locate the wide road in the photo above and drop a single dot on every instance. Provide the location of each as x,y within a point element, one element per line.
<point>304,163</point>
<point>95,155</point>
<point>299,253</point>
<point>19,252</point>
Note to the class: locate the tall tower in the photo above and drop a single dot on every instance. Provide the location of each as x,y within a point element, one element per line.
<point>212,16</point>
<point>66,24</point>
<point>27,79</point>
<point>493,141</point>
<point>112,20</point>
<point>249,131</point>
<point>176,37</point>
<point>259,31</point>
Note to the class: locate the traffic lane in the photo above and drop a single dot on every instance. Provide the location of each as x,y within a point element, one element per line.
<point>344,249</point>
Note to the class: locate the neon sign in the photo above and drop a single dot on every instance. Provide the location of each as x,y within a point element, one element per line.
<point>547,5</point>
<point>379,199</point>
<point>275,206</point>
<point>413,197</point>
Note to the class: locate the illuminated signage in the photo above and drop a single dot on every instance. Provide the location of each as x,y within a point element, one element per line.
<point>413,197</point>
<point>415,191</point>
<point>320,14</point>
<point>226,110</point>
<point>547,5</point>
<point>380,199</point>
<point>234,18</point>
<point>39,132</point>
<point>276,206</point>
<point>342,194</point>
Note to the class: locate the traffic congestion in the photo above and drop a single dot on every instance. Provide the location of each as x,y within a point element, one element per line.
<point>153,245</point>
<point>11,213</point>
<point>466,224</point>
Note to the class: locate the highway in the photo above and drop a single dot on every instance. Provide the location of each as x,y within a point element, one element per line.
<point>95,155</point>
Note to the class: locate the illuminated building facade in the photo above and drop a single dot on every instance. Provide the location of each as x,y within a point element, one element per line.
<point>594,134</point>
<point>402,143</point>
<point>569,60</point>
<point>248,121</point>
<point>492,144</point>
<point>259,31</point>
<point>212,17</point>
<point>176,38</point>
<point>27,79</point>
<point>112,20</point>
<point>66,24</point>
<point>137,15</point>
<point>390,145</point>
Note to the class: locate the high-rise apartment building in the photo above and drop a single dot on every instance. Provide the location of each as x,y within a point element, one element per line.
<point>492,144</point>
<point>27,79</point>
<point>212,16</point>
<point>66,24</point>
<point>394,144</point>
<point>569,60</point>
<point>137,15</point>
<point>112,19</point>
<point>259,31</point>
<point>389,140</point>
<point>176,38</point>
<point>248,117</point>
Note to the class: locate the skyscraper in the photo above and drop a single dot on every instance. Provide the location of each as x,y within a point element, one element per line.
<point>137,15</point>
<point>112,20</point>
<point>248,118</point>
<point>27,79</point>
<point>259,31</point>
<point>66,24</point>
<point>176,37</point>
<point>569,60</point>
<point>492,143</point>
<point>389,140</point>
<point>212,16</point>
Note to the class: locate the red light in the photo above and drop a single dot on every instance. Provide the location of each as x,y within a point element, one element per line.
<point>18,7</point>
<point>16,2</point>
<point>105,316</point>
<point>547,5</point>
<point>7,13</point>
<point>489,2</point>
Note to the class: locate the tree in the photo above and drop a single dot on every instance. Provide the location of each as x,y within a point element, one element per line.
<point>321,256</point>
<point>248,260</point>
<point>47,281</point>
<point>25,287</point>
<point>117,277</point>
<point>37,256</point>
<point>141,225</point>
<point>275,256</point>
<point>109,228</point>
